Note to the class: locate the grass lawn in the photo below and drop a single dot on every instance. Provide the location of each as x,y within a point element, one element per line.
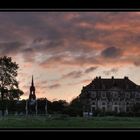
<point>71,122</point>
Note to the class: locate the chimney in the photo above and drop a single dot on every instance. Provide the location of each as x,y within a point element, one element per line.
<point>113,82</point>
<point>96,77</point>
<point>125,77</point>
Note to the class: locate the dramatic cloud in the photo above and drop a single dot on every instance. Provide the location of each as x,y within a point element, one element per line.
<point>70,46</point>
<point>82,82</point>
<point>73,74</point>
<point>29,54</point>
<point>10,48</point>
<point>91,69</point>
<point>137,62</point>
<point>78,74</point>
<point>111,71</point>
<point>111,52</point>
<point>54,86</point>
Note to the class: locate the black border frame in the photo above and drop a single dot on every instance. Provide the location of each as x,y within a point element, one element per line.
<point>67,8</point>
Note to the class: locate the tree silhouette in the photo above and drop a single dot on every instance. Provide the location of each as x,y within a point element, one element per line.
<point>8,82</point>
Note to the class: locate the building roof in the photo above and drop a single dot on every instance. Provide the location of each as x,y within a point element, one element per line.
<point>103,83</point>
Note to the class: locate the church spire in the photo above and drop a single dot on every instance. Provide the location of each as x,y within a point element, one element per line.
<point>32,90</point>
<point>32,81</point>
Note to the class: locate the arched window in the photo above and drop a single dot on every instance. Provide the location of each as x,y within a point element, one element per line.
<point>103,103</point>
<point>93,103</point>
<point>137,95</point>
<point>115,103</point>
<point>103,94</point>
<point>115,94</point>
<point>127,103</point>
<point>127,95</point>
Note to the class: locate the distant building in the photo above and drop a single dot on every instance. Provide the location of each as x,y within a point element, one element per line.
<point>32,95</point>
<point>110,95</point>
<point>32,102</point>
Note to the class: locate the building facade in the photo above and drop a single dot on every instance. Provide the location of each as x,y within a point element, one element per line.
<point>110,95</point>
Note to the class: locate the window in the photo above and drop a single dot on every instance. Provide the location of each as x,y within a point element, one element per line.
<point>93,109</point>
<point>115,94</point>
<point>93,103</point>
<point>127,103</point>
<point>94,94</point>
<point>103,94</point>
<point>137,95</point>
<point>103,103</point>
<point>115,103</point>
<point>116,109</point>
<point>127,95</point>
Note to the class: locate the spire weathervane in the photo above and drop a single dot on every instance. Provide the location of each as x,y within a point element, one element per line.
<point>32,81</point>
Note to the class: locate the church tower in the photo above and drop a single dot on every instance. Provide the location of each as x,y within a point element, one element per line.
<point>32,95</point>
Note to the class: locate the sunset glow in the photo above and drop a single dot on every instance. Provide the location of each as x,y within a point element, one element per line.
<point>66,50</point>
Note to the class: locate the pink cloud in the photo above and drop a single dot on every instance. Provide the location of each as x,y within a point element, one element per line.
<point>69,40</point>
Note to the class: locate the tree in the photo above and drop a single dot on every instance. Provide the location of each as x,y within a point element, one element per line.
<point>59,106</point>
<point>8,82</point>
<point>75,107</point>
<point>15,94</point>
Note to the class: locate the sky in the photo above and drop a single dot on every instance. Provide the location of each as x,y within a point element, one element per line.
<point>65,51</point>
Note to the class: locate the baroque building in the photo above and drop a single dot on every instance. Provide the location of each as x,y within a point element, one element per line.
<point>110,95</point>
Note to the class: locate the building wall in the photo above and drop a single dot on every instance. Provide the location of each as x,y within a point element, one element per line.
<point>110,100</point>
